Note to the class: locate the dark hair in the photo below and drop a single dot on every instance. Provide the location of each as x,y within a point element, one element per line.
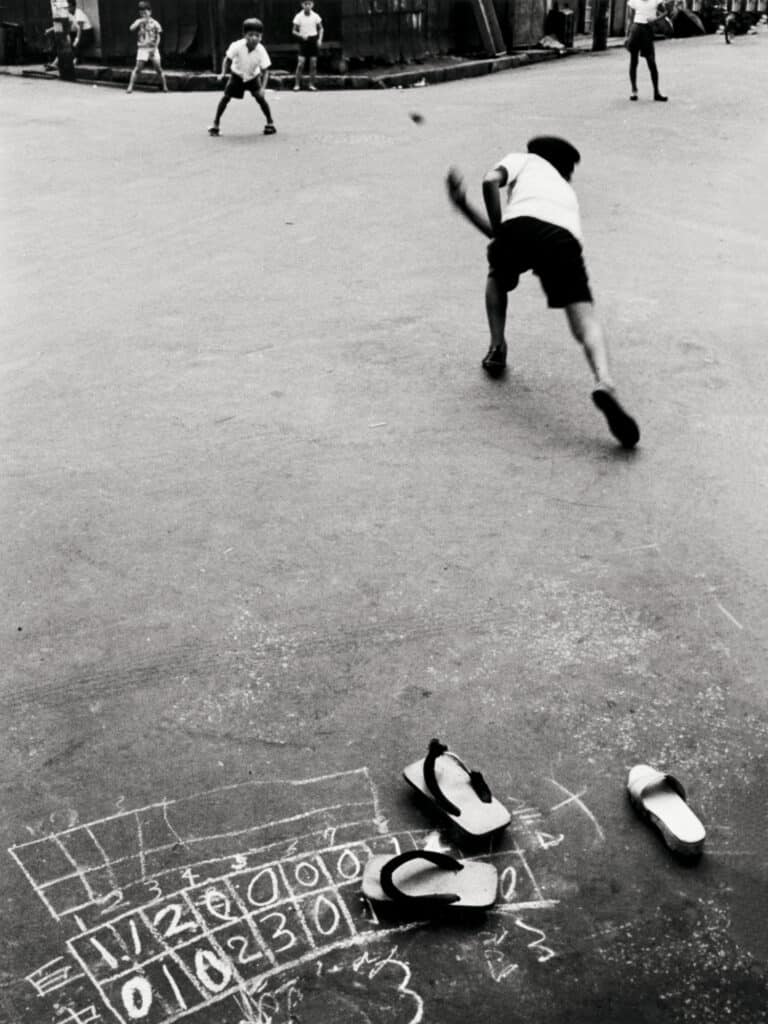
<point>252,25</point>
<point>558,152</point>
<point>144,6</point>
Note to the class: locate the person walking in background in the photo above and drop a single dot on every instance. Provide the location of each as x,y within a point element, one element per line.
<point>80,32</point>
<point>148,45</point>
<point>642,14</point>
<point>308,29</point>
<point>247,63</point>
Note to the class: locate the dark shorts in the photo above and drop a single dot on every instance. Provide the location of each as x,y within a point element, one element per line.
<point>551,252</point>
<point>641,41</point>
<point>237,87</point>
<point>308,47</point>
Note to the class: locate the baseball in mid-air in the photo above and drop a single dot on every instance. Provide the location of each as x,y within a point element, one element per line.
<point>416,117</point>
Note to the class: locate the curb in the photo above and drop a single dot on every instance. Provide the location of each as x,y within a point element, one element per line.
<point>190,81</point>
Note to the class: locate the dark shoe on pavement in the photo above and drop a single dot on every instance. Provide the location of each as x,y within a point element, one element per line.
<point>495,360</point>
<point>213,130</point>
<point>269,129</point>
<point>660,99</point>
<point>620,423</point>
<point>633,97</point>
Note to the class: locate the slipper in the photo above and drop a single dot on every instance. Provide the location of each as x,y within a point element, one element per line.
<point>495,360</point>
<point>620,423</point>
<point>430,881</point>
<point>462,795</point>
<point>661,798</point>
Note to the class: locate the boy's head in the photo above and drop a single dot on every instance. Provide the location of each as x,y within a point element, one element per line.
<point>72,6</point>
<point>144,9</point>
<point>252,30</point>
<point>307,5</point>
<point>558,152</point>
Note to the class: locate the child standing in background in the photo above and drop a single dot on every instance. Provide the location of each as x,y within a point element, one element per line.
<point>148,45</point>
<point>308,29</point>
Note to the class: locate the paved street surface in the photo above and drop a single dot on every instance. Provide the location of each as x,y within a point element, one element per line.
<point>268,529</point>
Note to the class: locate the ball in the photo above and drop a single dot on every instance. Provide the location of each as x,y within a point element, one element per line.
<point>416,117</point>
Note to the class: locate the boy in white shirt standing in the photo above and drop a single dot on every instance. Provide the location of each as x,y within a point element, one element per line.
<point>308,29</point>
<point>534,223</point>
<point>642,14</point>
<point>247,63</point>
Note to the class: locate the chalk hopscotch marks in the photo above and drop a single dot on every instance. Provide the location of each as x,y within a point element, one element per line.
<point>212,940</point>
<point>96,867</point>
<point>212,901</point>
<point>575,799</point>
<point>243,898</point>
<point>55,974</point>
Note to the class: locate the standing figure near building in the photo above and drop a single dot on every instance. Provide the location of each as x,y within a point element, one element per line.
<point>308,29</point>
<point>147,45</point>
<point>642,14</point>
<point>80,32</point>
<point>247,63</point>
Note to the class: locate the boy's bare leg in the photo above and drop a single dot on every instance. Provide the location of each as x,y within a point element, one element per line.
<point>312,72</point>
<point>132,79</point>
<point>496,310</point>
<point>299,73</point>
<point>159,69</point>
<point>588,331</point>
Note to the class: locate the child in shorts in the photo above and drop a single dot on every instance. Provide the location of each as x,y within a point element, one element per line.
<point>247,63</point>
<point>148,45</point>
<point>308,29</point>
<point>534,224</point>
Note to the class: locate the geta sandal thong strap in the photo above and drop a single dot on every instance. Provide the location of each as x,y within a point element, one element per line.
<point>441,860</point>
<point>476,780</point>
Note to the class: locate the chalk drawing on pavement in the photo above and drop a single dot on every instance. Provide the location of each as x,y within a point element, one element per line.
<point>236,896</point>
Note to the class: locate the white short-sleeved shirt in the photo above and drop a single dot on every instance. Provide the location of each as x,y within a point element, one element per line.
<point>82,19</point>
<point>248,63</point>
<point>535,189</point>
<point>645,10</point>
<point>308,24</point>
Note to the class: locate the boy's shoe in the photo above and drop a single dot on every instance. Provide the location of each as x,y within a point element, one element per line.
<point>620,423</point>
<point>495,360</point>
<point>213,130</point>
<point>633,97</point>
<point>660,99</point>
<point>297,88</point>
<point>269,129</point>
<point>313,88</point>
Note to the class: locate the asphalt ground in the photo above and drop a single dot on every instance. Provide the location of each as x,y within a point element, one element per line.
<point>269,529</point>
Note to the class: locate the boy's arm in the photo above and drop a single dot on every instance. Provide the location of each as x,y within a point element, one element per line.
<point>226,67</point>
<point>492,182</point>
<point>264,79</point>
<point>295,30</point>
<point>458,196</point>
<point>320,30</point>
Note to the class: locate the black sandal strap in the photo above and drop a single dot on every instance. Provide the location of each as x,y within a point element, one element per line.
<point>436,749</point>
<point>476,780</point>
<point>441,860</point>
<point>480,786</point>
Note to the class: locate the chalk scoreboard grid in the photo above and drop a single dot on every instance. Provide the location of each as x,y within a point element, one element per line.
<point>170,917</point>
